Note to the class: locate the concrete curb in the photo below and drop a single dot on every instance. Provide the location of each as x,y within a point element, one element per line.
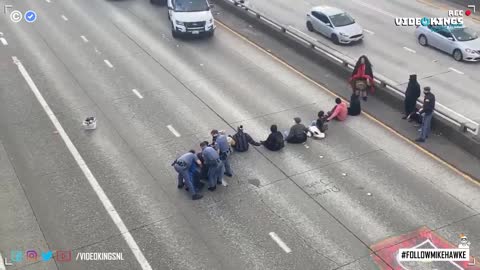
<point>468,142</point>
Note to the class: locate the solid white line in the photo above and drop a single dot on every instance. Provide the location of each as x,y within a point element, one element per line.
<point>86,171</point>
<point>64,18</point>
<point>2,264</point>
<point>376,9</point>
<point>410,50</point>
<point>137,93</point>
<point>108,63</point>
<point>84,39</point>
<point>279,241</point>
<point>456,70</point>
<point>173,131</point>
<point>4,41</point>
<point>368,31</point>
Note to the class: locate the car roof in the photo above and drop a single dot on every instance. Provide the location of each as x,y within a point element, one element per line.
<point>327,10</point>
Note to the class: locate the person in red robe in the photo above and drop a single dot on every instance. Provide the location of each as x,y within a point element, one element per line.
<point>362,77</point>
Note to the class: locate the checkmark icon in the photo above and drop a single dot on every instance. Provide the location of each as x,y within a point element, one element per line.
<point>30,16</point>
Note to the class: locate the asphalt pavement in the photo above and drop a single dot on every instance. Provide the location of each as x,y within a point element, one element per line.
<point>321,205</point>
<point>393,51</point>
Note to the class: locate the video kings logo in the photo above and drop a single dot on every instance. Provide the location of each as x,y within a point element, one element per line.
<point>455,18</point>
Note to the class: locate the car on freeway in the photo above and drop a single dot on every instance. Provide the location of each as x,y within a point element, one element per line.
<point>459,41</point>
<point>335,24</point>
<point>192,17</point>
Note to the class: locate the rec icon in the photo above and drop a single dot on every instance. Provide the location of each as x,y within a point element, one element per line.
<point>63,255</point>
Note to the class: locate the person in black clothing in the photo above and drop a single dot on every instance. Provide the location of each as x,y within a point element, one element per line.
<point>274,141</point>
<point>427,111</point>
<point>411,95</point>
<point>355,107</point>
<point>242,140</point>
<point>298,132</point>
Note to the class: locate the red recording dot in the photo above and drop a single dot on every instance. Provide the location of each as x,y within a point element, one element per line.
<point>468,12</point>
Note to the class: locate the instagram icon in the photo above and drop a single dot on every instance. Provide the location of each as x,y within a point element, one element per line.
<point>31,255</point>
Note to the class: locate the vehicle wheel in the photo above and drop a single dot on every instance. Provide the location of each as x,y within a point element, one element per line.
<point>335,39</point>
<point>423,40</point>
<point>174,33</point>
<point>457,55</point>
<point>310,26</point>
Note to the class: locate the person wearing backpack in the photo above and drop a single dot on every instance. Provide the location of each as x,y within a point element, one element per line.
<point>242,140</point>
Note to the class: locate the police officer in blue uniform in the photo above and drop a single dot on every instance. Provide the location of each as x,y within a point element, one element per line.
<point>223,147</point>
<point>215,166</point>
<point>183,165</point>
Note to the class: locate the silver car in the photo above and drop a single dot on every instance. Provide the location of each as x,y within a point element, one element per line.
<point>335,24</point>
<point>460,42</point>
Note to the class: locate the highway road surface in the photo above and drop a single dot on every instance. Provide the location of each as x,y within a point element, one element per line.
<point>394,51</point>
<point>330,204</point>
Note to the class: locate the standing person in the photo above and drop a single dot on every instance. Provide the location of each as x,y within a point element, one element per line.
<point>355,106</point>
<point>183,166</point>
<point>214,165</point>
<point>338,112</point>
<point>242,140</point>
<point>362,77</point>
<point>411,95</point>
<point>298,132</point>
<point>275,140</point>
<point>427,111</point>
<point>223,147</point>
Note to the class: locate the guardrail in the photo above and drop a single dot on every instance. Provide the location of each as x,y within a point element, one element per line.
<point>463,123</point>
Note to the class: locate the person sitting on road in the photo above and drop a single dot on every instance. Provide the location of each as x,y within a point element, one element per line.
<point>318,127</point>
<point>275,140</point>
<point>298,132</point>
<point>338,112</point>
<point>355,107</point>
<point>242,140</point>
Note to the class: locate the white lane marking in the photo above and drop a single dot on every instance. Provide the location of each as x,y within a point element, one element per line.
<point>2,264</point>
<point>84,39</point>
<point>64,18</point>
<point>86,170</point>
<point>376,9</point>
<point>48,1</point>
<point>137,93</point>
<point>368,31</point>
<point>4,41</point>
<point>410,50</point>
<point>456,70</point>
<point>173,131</point>
<point>1,34</point>
<point>279,241</point>
<point>108,63</point>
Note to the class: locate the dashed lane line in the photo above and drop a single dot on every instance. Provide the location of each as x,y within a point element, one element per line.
<point>108,63</point>
<point>456,70</point>
<point>84,39</point>
<point>409,50</point>
<point>173,131</point>
<point>64,18</point>
<point>280,242</point>
<point>135,91</point>
<point>4,41</point>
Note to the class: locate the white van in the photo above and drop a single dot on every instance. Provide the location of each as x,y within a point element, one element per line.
<point>191,17</point>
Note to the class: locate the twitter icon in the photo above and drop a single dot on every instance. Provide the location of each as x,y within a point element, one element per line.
<point>46,256</point>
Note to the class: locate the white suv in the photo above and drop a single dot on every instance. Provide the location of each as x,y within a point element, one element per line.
<point>191,17</point>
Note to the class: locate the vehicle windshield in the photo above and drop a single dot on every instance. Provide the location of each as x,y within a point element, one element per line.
<point>191,5</point>
<point>341,19</point>
<point>464,34</point>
